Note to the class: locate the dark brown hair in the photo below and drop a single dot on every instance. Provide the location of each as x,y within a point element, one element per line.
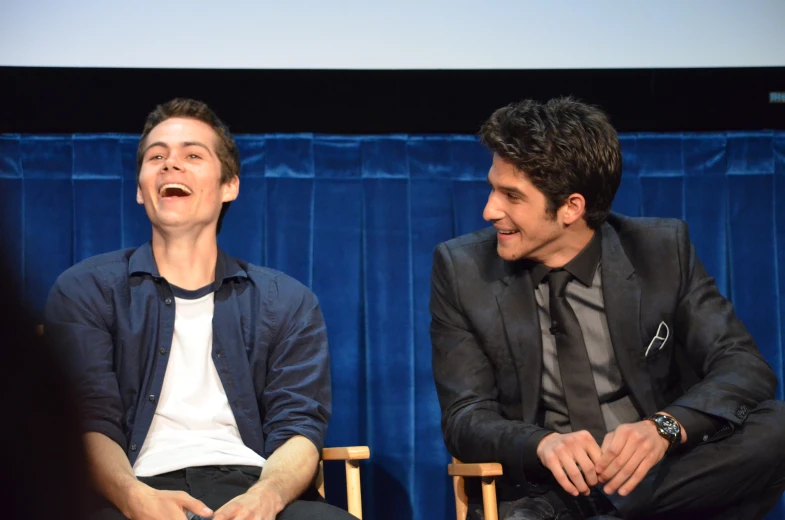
<point>563,147</point>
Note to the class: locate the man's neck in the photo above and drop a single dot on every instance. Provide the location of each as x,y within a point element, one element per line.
<point>571,243</point>
<point>186,261</point>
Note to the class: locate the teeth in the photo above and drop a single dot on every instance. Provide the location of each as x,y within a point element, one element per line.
<point>182,187</point>
<point>506,232</point>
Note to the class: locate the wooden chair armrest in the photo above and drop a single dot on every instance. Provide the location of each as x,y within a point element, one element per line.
<point>484,469</point>
<point>350,455</point>
<point>346,453</point>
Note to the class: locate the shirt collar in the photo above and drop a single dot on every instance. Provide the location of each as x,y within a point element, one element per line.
<point>142,261</point>
<point>582,267</point>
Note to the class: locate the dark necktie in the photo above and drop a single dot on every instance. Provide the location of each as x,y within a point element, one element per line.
<point>580,393</point>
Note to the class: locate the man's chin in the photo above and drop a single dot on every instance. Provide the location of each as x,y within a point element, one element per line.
<point>508,253</point>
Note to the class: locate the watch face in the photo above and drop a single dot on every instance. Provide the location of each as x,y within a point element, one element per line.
<point>669,426</point>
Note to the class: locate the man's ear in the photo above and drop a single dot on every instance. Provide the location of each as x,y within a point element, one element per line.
<point>139,199</point>
<point>573,209</point>
<point>230,189</point>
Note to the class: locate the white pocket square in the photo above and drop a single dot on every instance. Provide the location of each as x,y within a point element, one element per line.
<point>659,339</point>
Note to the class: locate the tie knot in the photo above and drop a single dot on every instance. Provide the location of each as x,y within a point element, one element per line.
<point>557,280</point>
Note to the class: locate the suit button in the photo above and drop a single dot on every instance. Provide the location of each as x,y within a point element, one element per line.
<point>168,301</point>
<point>151,398</point>
<point>133,447</point>
<point>705,438</point>
<point>741,413</point>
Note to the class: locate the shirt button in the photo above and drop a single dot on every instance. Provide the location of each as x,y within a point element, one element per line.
<point>151,398</point>
<point>168,301</point>
<point>133,447</point>
<point>162,351</point>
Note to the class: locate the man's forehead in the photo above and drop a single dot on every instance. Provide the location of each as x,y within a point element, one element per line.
<point>178,130</point>
<point>508,173</point>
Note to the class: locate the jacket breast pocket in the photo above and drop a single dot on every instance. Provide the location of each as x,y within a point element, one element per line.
<point>663,370</point>
<point>658,342</point>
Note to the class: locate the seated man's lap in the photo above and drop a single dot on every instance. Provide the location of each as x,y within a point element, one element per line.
<point>729,471</point>
<point>747,467</point>
<point>313,510</point>
<point>217,485</point>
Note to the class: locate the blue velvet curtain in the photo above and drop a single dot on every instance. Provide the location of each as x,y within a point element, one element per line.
<point>357,218</point>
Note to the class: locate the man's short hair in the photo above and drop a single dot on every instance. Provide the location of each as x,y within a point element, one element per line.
<point>225,146</point>
<point>563,147</point>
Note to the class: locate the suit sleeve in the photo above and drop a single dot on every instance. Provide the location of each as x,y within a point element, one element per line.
<point>734,376</point>
<point>473,427</point>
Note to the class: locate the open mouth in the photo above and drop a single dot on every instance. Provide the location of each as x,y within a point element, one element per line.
<point>174,190</point>
<point>502,232</point>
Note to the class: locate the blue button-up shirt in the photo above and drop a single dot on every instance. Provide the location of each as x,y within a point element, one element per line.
<point>112,316</point>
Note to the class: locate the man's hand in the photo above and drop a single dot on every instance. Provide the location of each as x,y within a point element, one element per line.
<point>151,504</point>
<point>571,457</point>
<point>257,503</point>
<point>628,453</point>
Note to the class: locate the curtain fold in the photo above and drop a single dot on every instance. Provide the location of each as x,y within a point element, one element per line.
<point>357,218</point>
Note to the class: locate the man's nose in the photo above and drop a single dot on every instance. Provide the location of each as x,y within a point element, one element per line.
<point>492,213</point>
<point>173,162</point>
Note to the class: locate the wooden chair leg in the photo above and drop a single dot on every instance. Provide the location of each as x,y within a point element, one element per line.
<point>489,498</point>
<point>320,479</point>
<point>461,500</point>
<point>353,494</point>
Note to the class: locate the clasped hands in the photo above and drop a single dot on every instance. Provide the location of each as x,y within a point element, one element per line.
<point>152,504</point>
<point>625,457</point>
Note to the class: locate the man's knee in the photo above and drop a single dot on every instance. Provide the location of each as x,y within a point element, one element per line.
<point>313,510</point>
<point>768,430</point>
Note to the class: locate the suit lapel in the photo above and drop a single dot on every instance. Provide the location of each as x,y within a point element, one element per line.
<point>622,296</point>
<point>518,309</point>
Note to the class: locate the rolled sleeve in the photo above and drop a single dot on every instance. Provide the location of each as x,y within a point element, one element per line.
<point>77,327</point>
<point>297,398</point>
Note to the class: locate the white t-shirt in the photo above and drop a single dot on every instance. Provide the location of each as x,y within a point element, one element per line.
<point>193,423</point>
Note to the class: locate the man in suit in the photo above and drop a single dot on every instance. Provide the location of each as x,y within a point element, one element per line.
<point>590,353</point>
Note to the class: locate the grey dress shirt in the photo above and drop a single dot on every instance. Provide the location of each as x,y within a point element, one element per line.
<point>584,294</point>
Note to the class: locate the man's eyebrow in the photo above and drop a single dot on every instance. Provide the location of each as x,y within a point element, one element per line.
<point>184,144</point>
<point>197,143</point>
<point>509,189</point>
<point>152,145</point>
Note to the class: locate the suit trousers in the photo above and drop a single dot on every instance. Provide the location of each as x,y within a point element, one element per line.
<point>217,485</point>
<point>741,476</point>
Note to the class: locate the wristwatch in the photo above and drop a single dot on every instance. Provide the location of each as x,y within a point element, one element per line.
<point>668,428</point>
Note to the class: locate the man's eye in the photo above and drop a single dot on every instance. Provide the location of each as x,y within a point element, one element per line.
<point>193,156</point>
<point>513,197</point>
<point>156,157</point>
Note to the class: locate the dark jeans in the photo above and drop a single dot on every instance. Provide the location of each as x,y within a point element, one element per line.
<point>739,477</point>
<point>217,485</point>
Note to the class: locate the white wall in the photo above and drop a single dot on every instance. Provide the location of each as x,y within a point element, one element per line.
<point>382,34</point>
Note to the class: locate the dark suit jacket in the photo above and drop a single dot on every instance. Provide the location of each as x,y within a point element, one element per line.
<point>487,344</point>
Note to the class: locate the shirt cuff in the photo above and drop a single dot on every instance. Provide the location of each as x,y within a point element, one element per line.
<point>107,429</point>
<point>699,426</point>
<point>532,467</point>
<point>277,438</point>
